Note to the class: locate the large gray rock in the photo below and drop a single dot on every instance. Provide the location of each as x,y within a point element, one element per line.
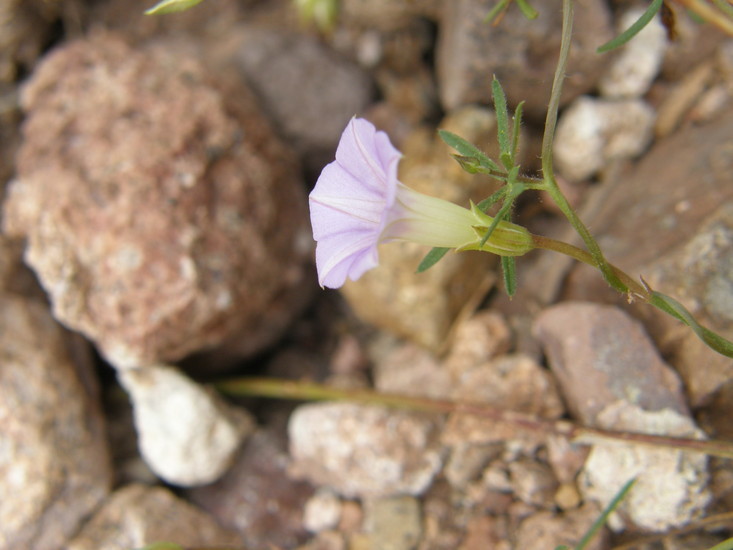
<point>521,53</point>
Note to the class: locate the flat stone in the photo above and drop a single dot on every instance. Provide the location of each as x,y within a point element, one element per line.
<point>522,54</point>
<point>600,355</point>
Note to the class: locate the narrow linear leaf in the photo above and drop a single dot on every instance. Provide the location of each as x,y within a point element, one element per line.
<point>603,518</point>
<point>502,214</point>
<point>467,149</point>
<point>677,310</point>
<point>171,6</point>
<point>516,130</point>
<point>495,197</point>
<point>496,11</point>
<point>509,272</point>
<point>502,123</point>
<point>528,11</point>
<point>432,258</point>
<point>634,29</point>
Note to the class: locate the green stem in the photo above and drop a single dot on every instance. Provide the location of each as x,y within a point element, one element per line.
<point>547,157</point>
<point>629,285</point>
<point>640,290</point>
<point>308,391</point>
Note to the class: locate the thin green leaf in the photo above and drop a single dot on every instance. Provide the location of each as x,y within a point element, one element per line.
<point>677,310</point>
<point>603,518</point>
<point>171,6</point>
<point>516,130</point>
<point>496,10</point>
<point>468,149</point>
<point>432,258</point>
<point>509,272</point>
<point>634,29</point>
<point>725,545</point>
<point>488,202</point>
<point>528,11</point>
<point>562,547</point>
<point>502,123</point>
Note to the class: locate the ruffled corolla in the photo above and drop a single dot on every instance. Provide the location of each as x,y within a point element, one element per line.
<point>358,203</point>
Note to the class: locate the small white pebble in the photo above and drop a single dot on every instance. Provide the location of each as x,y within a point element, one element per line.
<point>322,511</point>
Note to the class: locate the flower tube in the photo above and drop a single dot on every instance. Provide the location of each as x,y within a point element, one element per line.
<point>358,203</point>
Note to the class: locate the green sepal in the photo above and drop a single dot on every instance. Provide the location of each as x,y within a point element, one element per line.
<point>528,11</point>
<point>467,149</point>
<point>634,29</point>
<point>432,258</point>
<point>171,6</point>
<point>675,309</point>
<point>471,165</point>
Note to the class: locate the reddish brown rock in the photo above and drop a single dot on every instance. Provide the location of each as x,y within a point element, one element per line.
<point>257,498</point>
<point>162,214</point>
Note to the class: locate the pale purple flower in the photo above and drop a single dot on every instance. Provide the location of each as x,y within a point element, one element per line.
<point>358,203</point>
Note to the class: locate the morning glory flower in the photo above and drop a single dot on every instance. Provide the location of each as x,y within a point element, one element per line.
<point>358,203</point>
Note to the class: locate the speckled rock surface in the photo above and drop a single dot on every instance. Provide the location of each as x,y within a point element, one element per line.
<point>592,132</point>
<point>364,451</point>
<point>671,485</point>
<point>162,215</point>
<point>137,515</point>
<point>54,463</point>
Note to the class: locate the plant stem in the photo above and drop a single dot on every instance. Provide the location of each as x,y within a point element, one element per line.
<point>308,391</point>
<point>631,286</point>
<point>547,159</point>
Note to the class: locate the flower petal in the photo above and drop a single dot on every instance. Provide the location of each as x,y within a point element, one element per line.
<point>350,203</point>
